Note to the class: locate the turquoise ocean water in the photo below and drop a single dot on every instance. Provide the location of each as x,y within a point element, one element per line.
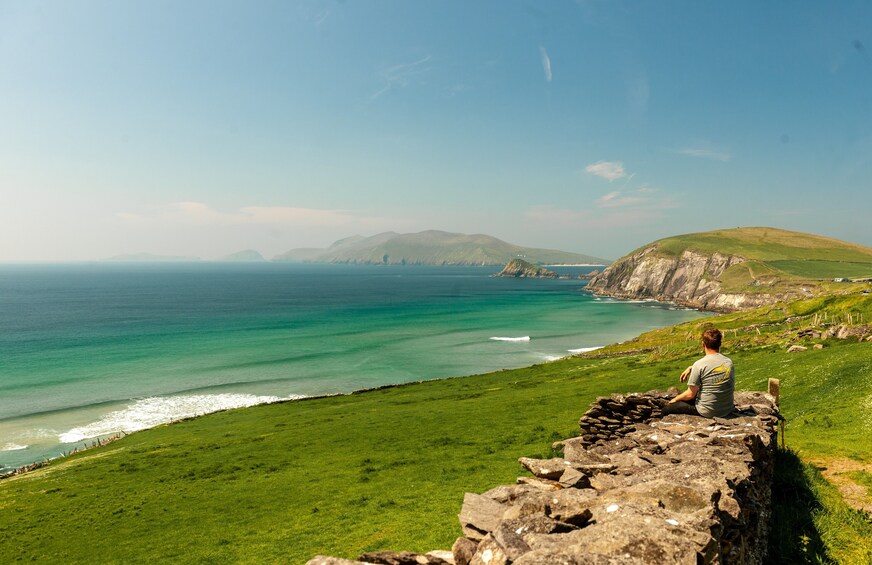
<point>88,350</point>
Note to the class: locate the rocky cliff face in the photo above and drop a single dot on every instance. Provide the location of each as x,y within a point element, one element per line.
<point>691,279</point>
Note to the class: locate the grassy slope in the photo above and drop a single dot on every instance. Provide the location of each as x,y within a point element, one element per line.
<point>388,468</point>
<point>777,252</point>
<point>768,244</point>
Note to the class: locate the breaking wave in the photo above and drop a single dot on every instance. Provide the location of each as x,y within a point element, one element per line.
<point>585,349</point>
<point>12,447</point>
<point>523,338</point>
<point>154,411</point>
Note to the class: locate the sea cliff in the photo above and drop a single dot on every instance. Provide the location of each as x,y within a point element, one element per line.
<point>736,269</point>
<point>690,279</point>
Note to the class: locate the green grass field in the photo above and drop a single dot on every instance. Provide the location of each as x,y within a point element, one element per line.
<point>767,244</point>
<point>387,469</point>
<point>821,269</point>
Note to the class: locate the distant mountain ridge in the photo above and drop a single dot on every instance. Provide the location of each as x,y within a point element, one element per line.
<point>245,256</point>
<point>735,269</point>
<point>432,247</point>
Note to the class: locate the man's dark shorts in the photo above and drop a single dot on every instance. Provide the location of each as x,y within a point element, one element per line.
<point>680,407</point>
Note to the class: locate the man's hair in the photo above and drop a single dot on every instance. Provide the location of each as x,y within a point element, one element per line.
<point>711,338</point>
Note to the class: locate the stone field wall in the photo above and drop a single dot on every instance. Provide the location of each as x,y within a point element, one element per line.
<point>634,487</point>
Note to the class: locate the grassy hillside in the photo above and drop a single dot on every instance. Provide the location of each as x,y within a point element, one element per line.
<point>432,248</point>
<point>785,252</point>
<point>388,468</point>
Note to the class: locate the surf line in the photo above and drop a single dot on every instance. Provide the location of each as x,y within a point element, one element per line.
<point>522,338</point>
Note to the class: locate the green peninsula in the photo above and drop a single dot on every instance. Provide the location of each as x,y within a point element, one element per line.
<point>737,269</point>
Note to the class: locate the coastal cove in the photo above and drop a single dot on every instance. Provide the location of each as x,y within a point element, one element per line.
<point>94,349</point>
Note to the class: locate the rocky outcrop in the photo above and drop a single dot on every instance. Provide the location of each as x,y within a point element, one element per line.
<point>518,268</point>
<point>635,487</point>
<point>690,279</point>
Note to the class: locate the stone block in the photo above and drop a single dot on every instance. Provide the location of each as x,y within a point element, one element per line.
<point>481,513</point>
<point>401,558</point>
<point>463,550</point>
<point>545,468</point>
<point>324,560</point>
<point>489,552</point>
<point>541,484</point>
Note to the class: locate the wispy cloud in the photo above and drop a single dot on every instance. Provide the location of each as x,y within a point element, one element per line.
<point>705,154</point>
<point>618,198</point>
<point>399,76</point>
<point>320,18</point>
<point>546,64</point>
<point>609,170</point>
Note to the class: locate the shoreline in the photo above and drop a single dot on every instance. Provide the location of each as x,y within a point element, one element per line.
<point>105,439</point>
<point>100,439</point>
<point>687,305</point>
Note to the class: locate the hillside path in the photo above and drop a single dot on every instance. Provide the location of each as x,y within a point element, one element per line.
<point>836,471</point>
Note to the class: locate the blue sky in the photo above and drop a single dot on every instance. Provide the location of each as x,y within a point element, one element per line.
<point>204,128</point>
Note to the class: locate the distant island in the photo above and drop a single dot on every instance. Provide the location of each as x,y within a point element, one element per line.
<point>433,247</point>
<point>151,258</point>
<point>518,268</point>
<point>737,269</point>
<point>246,256</point>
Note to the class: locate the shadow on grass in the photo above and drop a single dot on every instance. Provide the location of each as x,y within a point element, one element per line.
<point>794,537</point>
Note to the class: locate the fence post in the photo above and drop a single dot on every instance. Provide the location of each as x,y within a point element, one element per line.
<point>775,389</point>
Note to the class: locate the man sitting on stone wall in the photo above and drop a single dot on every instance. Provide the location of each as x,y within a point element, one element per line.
<point>710,382</point>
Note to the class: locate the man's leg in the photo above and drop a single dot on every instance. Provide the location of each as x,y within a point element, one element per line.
<point>680,407</point>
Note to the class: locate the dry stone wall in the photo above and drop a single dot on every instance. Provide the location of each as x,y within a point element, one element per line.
<point>634,487</point>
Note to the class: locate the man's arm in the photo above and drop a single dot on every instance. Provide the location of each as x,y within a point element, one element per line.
<point>687,395</point>
<point>686,374</point>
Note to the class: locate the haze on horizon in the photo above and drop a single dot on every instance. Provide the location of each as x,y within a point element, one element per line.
<point>204,128</point>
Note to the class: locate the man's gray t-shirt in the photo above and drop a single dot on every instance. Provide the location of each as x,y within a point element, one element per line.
<point>716,379</point>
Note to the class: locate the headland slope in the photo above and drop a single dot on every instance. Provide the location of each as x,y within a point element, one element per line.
<point>736,269</point>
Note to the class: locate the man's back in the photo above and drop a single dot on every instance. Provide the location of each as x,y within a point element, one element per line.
<point>715,376</point>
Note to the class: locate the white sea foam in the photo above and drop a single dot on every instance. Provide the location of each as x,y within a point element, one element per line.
<point>12,447</point>
<point>549,358</point>
<point>150,412</point>
<point>585,349</point>
<point>523,338</point>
